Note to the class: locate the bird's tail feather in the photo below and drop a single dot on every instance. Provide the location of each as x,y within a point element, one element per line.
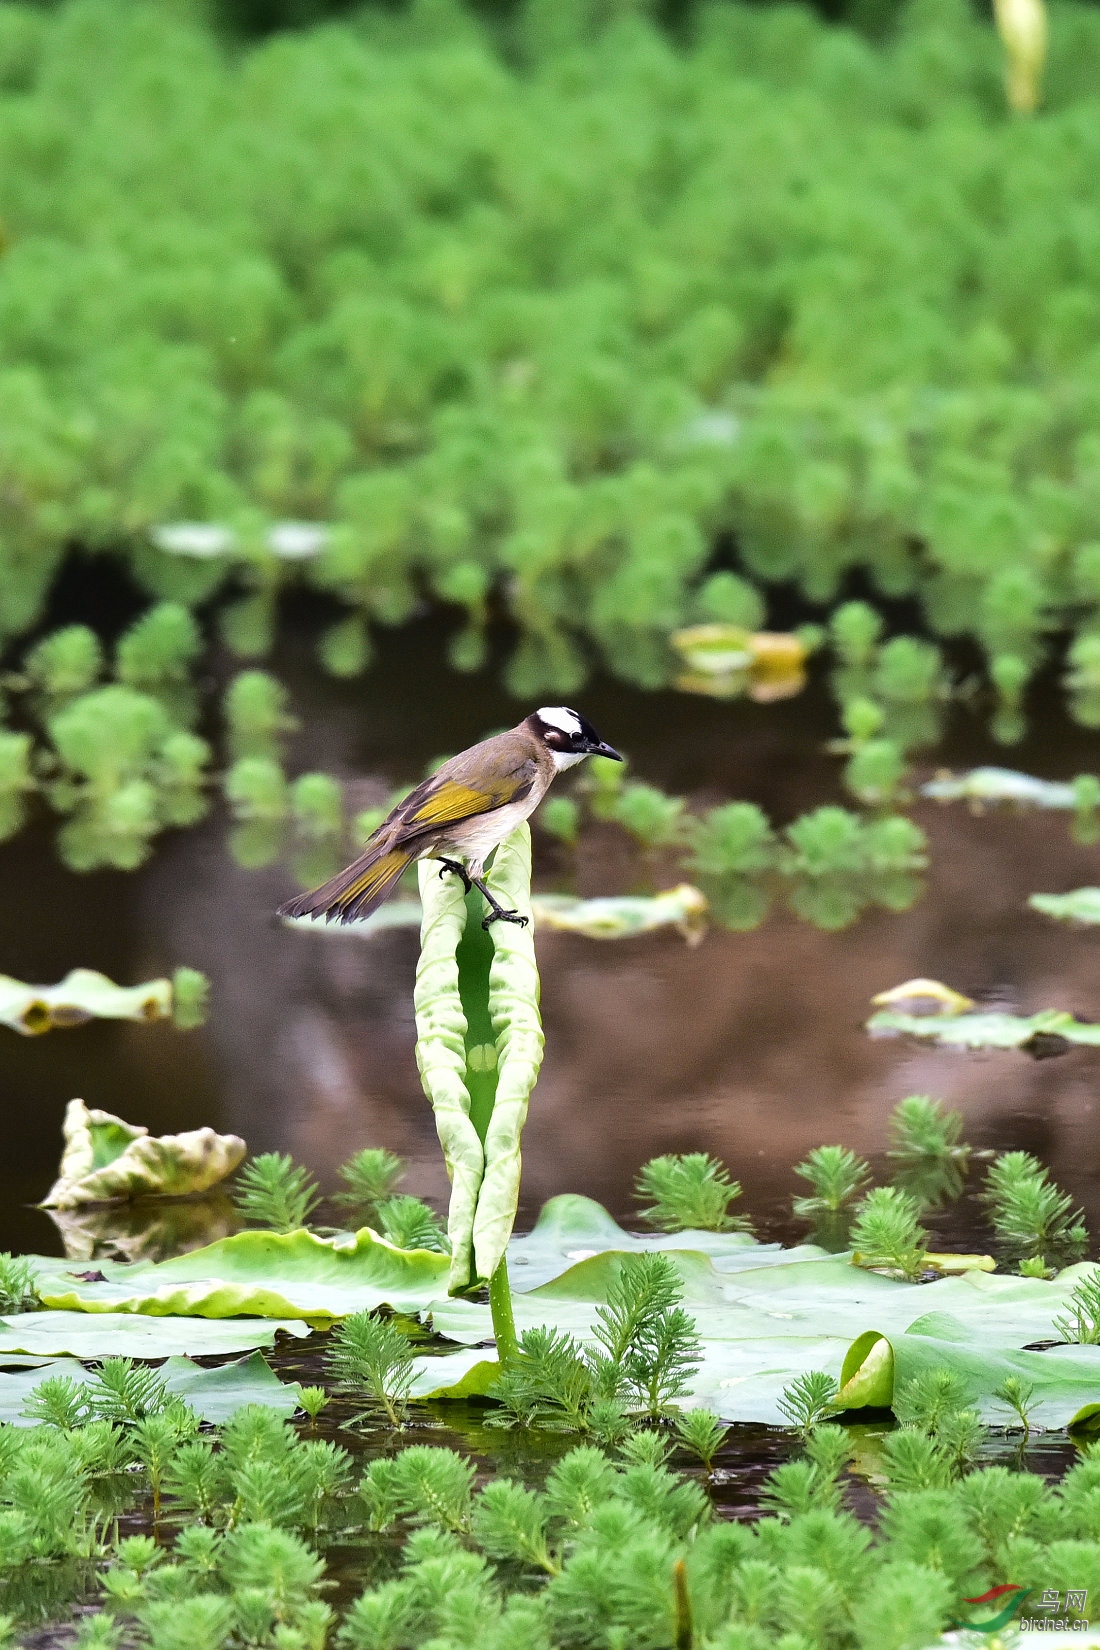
<point>355,892</point>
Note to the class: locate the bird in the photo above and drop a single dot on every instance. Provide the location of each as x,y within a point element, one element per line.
<point>459,815</point>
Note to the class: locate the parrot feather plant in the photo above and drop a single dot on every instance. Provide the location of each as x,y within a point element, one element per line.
<point>479,1049</point>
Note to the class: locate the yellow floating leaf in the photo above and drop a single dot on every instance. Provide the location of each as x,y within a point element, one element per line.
<point>924,997</point>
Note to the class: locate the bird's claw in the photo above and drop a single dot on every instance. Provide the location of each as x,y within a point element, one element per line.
<point>504,916</point>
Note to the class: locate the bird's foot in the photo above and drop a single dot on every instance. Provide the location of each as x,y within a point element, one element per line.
<point>499,914</point>
<point>458,870</point>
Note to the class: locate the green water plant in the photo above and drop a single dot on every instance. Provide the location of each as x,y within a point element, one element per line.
<point>18,1291</point>
<point>920,1128</point>
<point>836,1175</point>
<point>274,1192</point>
<point>701,1432</point>
<point>643,1355</point>
<point>1027,1210</point>
<point>689,1191</point>
<point>887,1233</point>
<point>1081,1322</point>
<point>373,1359</point>
<point>411,1224</point>
<point>1018,1397</point>
<point>370,1177</point>
<point>807,1401</point>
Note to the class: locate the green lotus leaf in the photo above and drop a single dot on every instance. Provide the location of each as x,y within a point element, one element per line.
<point>1033,1032</point>
<point>83,1334</point>
<point>82,995</point>
<point>107,1160</point>
<point>1065,1379</point>
<point>764,1314</point>
<point>264,1275</point>
<point>484,1178</point>
<point>610,917</point>
<point>1082,905</point>
<point>214,1394</point>
<point>456,1376</point>
<point>626,915</point>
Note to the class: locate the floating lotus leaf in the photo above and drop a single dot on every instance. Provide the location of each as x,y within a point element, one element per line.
<point>613,917</point>
<point>1050,1031</point>
<point>764,1314</point>
<point>263,1274</point>
<point>1065,1379</point>
<point>108,1160</point>
<point>923,997</point>
<point>992,785</point>
<point>83,1334</point>
<point>1082,905</point>
<point>725,661</point>
<point>214,1394</point>
<point>82,995</point>
<point>624,916</point>
<point>484,1179</point>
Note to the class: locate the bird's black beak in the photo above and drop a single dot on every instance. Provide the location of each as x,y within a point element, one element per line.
<point>603,749</point>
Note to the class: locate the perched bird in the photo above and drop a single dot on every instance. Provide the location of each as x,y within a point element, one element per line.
<point>460,815</point>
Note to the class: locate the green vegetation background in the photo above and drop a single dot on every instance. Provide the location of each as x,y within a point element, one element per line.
<point>552,321</point>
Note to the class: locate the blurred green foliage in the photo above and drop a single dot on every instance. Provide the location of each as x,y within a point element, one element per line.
<point>542,313</point>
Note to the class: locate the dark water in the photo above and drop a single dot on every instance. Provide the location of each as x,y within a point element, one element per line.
<point>749,1046</point>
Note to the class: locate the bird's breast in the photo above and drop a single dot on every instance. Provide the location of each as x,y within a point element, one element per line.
<point>476,838</point>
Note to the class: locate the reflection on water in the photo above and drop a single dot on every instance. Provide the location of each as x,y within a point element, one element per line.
<point>152,1229</point>
<point>748,1045</point>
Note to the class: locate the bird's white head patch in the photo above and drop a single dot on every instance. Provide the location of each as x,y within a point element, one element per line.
<point>560,717</point>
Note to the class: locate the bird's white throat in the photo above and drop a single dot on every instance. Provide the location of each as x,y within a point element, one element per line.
<point>567,759</point>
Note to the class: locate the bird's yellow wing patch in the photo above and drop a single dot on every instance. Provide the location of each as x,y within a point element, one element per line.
<point>451,801</point>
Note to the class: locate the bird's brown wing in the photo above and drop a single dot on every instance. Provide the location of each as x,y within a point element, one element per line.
<point>427,814</point>
<point>449,798</point>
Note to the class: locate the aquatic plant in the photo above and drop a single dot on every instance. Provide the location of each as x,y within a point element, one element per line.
<point>370,1176</point>
<point>807,1401</point>
<point>836,1176</point>
<point>1017,1396</point>
<point>18,1292</point>
<point>887,1233</point>
<point>1027,1209</point>
<point>920,1128</point>
<point>1082,1320</point>
<point>692,1191</point>
<point>275,1192</point>
<point>370,1357</point>
<point>411,1224</point>
<point>701,1432</point>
